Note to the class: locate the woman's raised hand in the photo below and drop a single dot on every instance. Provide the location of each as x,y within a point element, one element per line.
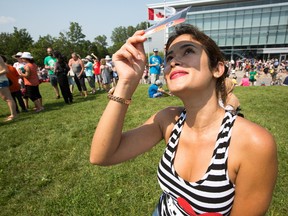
<point>130,59</point>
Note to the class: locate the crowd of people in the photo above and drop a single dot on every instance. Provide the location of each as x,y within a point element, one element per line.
<point>20,82</point>
<point>252,70</point>
<point>101,75</point>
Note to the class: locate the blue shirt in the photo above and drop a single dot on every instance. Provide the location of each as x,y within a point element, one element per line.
<point>152,90</point>
<point>89,69</point>
<point>155,59</point>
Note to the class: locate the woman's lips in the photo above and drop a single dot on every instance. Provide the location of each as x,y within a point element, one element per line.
<point>177,74</point>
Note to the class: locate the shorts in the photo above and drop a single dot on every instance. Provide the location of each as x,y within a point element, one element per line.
<point>53,79</point>
<point>33,92</point>
<point>252,80</point>
<point>98,78</point>
<point>4,84</point>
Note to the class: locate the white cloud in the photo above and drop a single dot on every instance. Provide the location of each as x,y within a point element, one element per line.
<point>6,20</point>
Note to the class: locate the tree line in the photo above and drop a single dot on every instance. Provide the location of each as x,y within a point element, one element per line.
<point>67,42</point>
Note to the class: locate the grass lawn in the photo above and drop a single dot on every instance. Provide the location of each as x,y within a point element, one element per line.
<point>44,157</point>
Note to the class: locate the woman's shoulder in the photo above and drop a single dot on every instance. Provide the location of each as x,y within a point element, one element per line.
<point>252,137</point>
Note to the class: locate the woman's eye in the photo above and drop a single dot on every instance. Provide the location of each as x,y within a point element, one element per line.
<point>169,58</point>
<point>189,51</point>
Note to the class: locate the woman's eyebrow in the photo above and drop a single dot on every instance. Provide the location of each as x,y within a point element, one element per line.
<point>183,47</point>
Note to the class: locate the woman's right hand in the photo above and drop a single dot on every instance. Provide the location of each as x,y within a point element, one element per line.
<point>130,59</point>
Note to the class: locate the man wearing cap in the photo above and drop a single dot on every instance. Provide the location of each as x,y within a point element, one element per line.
<point>155,62</point>
<point>49,63</point>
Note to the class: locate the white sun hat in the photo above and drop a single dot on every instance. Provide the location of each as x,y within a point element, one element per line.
<point>107,58</point>
<point>26,55</point>
<point>17,55</point>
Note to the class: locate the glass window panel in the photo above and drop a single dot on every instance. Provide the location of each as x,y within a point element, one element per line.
<point>214,34</point>
<point>248,20</point>
<point>239,21</point>
<point>263,35</point>
<point>274,18</point>
<point>229,38</point>
<point>265,19</point>
<point>207,23</point>
<point>240,12</point>
<point>199,16</point>
<point>207,15</point>
<point>256,19</point>
<point>280,37</point>
<point>246,37</point>
<point>272,35</point>
<point>199,23</point>
<point>222,38</point>
<point>271,38</point>
<point>254,36</point>
<point>193,22</point>
<point>231,22</point>
<point>266,10</point>
<point>238,37</point>
<point>215,23</point>
<point>223,22</point>
<point>283,20</point>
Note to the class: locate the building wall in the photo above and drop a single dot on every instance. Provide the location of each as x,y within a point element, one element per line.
<point>241,28</point>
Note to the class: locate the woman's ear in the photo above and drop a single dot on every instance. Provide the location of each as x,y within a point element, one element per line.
<point>219,70</point>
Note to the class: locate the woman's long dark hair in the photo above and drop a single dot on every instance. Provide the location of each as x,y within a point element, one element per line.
<point>60,58</point>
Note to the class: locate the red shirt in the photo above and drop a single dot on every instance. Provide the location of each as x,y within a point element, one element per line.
<point>96,68</point>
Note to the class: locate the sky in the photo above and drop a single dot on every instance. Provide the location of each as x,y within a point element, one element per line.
<point>96,17</point>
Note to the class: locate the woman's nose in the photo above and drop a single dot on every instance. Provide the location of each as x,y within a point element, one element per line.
<point>174,63</point>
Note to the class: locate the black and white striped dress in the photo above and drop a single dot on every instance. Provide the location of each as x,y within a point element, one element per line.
<point>213,194</point>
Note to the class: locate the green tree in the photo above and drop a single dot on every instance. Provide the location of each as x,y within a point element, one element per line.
<point>143,25</point>
<point>101,43</point>
<point>118,37</point>
<point>64,45</point>
<point>39,49</point>
<point>11,43</point>
<point>75,34</point>
<point>5,45</point>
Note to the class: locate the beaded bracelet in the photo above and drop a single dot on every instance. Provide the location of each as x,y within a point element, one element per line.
<point>118,99</point>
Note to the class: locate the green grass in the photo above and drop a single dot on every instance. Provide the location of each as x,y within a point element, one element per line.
<point>44,157</point>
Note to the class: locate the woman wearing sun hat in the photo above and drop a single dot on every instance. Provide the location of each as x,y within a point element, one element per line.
<point>17,65</point>
<point>31,80</point>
